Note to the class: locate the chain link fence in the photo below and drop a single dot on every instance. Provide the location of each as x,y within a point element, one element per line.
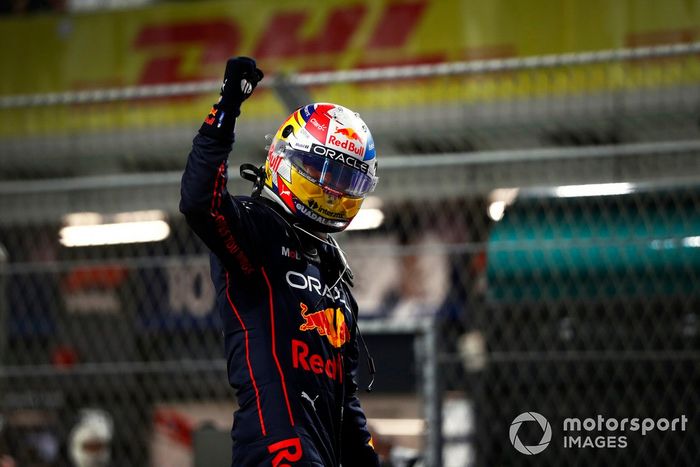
<point>536,249</point>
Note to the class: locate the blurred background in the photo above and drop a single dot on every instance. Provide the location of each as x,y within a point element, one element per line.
<point>533,244</point>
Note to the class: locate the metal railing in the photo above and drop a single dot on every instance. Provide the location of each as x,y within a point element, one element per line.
<point>474,67</point>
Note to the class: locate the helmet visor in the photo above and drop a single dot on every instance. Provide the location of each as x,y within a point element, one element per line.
<point>339,176</point>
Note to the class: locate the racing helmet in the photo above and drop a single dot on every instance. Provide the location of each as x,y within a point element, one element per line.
<point>321,165</point>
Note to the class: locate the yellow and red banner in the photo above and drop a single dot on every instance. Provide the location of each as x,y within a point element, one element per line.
<point>190,41</point>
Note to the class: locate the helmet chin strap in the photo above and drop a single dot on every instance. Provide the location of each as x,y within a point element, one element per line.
<point>254,174</point>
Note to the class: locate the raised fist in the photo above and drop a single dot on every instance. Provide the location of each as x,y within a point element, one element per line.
<point>240,79</point>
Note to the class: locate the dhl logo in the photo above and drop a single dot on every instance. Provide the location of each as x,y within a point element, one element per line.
<point>349,133</point>
<point>169,46</point>
<point>323,322</point>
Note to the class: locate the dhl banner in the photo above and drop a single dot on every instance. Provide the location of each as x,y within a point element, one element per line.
<point>190,41</point>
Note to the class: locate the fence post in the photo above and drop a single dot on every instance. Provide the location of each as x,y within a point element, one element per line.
<point>3,305</point>
<point>432,394</point>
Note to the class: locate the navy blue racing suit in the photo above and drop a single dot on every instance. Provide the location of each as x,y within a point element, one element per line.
<point>289,325</point>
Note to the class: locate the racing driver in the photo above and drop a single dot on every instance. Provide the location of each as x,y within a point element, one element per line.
<point>282,284</point>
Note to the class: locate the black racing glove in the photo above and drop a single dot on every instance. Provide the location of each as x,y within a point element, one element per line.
<point>240,79</point>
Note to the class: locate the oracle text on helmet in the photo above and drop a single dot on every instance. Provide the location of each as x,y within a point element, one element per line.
<point>343,158</point>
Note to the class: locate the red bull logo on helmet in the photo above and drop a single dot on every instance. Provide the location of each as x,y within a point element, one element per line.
<point>349,133</point>
<point>329,323</point>
<point>350,141</point>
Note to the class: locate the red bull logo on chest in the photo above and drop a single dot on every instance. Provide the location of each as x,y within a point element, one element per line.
<point>329,323</point>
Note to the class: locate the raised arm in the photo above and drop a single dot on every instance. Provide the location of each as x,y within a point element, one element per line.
<point>204,200</point>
